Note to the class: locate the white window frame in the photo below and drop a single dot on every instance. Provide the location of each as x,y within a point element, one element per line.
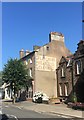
<point>62,72</point>
<point>26,62</point>
<point>30,72</point>
<point>78,67</point>
<point>66,90</point>
<point>30,61</point>
<point>60,89</point>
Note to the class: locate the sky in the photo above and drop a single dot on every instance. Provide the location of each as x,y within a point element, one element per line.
<point>25,24</point>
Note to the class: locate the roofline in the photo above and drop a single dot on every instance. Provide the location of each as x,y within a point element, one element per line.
<point>28,55</point>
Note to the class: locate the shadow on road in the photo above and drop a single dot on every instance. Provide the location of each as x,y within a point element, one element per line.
<point>5,117</point>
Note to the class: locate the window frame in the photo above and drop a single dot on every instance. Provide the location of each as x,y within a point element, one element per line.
<point>62,72</point>
<point>78,67</point>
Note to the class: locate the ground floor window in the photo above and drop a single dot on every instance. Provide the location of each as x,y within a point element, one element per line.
<point>30,92</point>
<point>60,89</point>
<point>66,89</point>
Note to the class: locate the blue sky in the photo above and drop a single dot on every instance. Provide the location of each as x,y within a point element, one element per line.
<point>26,24</point>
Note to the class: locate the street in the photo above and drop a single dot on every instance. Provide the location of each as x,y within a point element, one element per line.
<point>18,113</point>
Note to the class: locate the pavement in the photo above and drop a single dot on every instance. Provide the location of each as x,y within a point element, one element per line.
<point>59,109</point>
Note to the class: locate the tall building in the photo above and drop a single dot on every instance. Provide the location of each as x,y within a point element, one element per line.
<point>42,63</point>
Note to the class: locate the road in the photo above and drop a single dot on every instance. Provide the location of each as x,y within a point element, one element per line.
<point>18,113</point>
<point>10,111</point>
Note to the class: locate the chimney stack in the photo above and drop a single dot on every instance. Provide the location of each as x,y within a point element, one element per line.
<point>27,52</point>
<point>21,53</point>
<point>56,36</point>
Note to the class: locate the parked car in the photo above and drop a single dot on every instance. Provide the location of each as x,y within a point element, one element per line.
<point>76,105</point>
<point>40,97</point>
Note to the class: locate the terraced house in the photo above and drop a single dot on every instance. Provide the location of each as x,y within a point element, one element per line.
<point>42,63</point>
<point>70,74</point>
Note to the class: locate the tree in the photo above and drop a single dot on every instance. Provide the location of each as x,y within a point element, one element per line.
<point>0,78</point>
<point>15,73</point>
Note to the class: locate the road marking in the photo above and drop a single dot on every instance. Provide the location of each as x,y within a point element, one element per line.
<point>13,116</point>
<point>6,106</point>
<point>65,116</point>
<point>0,112</point>
<point>17,107</point>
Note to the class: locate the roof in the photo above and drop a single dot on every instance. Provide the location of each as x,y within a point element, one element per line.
<point>28,55</point>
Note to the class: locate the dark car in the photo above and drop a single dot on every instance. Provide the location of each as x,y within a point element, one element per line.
<point>76,105</point>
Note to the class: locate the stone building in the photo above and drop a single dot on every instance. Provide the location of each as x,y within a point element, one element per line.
<point>70,74</point>
<point>42,63</point>
<point>64,76</point>
<point>78,71</point>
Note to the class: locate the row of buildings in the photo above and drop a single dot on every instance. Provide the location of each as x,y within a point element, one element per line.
<point>70,74</point>
<point>53,69</point>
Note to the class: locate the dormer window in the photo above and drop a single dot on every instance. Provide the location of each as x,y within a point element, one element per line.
<point>78,67</point>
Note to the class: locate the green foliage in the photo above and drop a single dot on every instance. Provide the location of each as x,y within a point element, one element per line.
<point>15,72</point>
<point>0,78</point>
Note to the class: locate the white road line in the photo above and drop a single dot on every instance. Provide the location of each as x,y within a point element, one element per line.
<point>65,116</point>
<point>13,116</point>
<point>17,107</point>
<point>0,112</point>
<point>6,106</point>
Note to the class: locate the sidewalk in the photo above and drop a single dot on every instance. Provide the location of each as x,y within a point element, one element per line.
<point>60,109</point>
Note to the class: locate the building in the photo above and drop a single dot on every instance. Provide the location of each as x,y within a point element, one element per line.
<point>70,74</point>
<point>78,71</point>
<point>64,76</point>
<point>42,63</point>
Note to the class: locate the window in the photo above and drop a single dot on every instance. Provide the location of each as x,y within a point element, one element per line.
<point>78,67</point>
<point>47,48</point>
<point>30,61</point>
<point>68,63</point>
<point>60,89</point>
<point>30,72</point>
<point>66,89</point>
<point>26,62</point>
<point>62,72</point>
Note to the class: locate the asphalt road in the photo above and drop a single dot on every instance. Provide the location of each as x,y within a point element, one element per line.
<point>11,112</point>
<point>17,113</point>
